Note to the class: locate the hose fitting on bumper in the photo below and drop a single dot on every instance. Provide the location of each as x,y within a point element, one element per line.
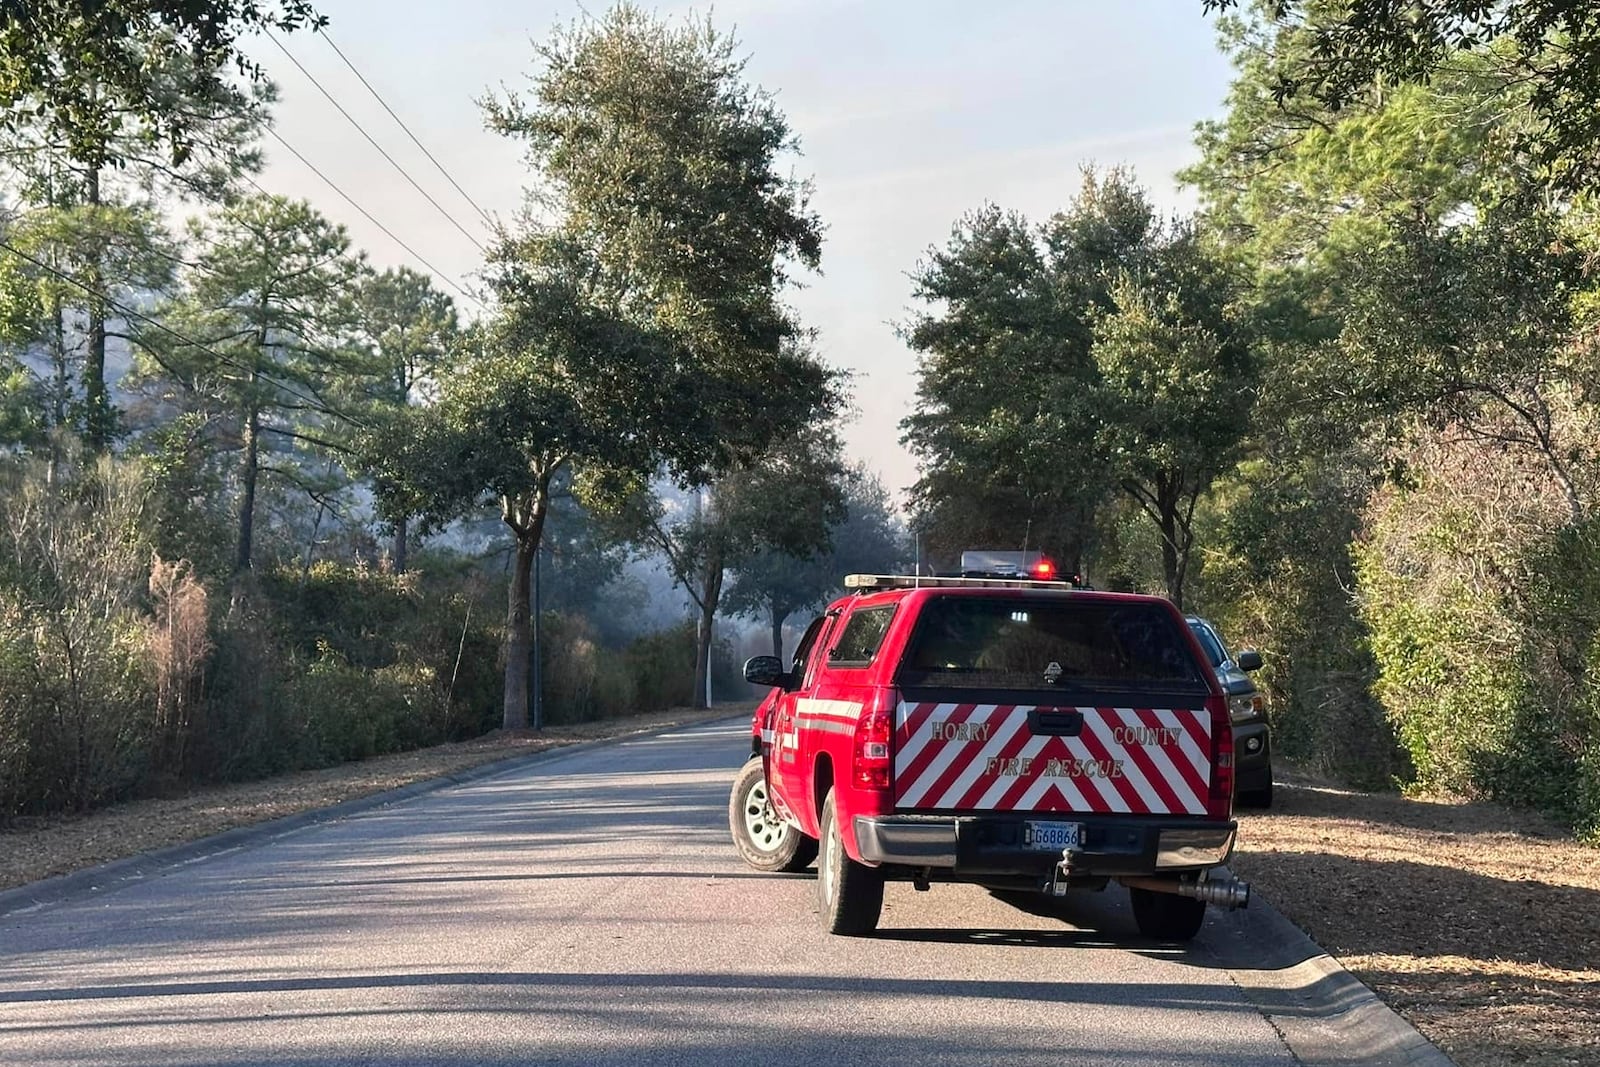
<point>1228,892</point>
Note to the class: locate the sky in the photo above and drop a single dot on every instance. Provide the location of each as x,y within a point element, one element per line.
<point>909,115</point>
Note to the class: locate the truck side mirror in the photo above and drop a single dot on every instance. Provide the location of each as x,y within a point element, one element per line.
<point>765,670</point>
<point>1249,661</point>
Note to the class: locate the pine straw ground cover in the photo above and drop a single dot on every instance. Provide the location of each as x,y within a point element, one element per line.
<point>40,848</point>
<point>1481,926</point>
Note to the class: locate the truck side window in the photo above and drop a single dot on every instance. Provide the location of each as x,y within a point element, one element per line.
<point>802,651</point>
<point>862,635</point>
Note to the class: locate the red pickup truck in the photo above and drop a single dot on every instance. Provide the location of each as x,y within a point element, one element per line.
<point>1013,733</point>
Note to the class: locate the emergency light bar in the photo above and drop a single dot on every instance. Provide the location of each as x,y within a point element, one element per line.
<point>992,563</point>
<point>865,582</point>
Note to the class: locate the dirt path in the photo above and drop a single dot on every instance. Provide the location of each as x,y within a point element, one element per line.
<point>1479,925</point>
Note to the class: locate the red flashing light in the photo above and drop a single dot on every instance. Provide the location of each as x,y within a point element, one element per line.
<point>1044,570</point>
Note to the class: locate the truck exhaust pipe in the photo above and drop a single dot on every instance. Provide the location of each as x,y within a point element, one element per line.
<point>1229,892</point>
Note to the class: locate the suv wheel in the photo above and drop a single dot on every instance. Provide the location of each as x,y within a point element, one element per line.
<point>849,894</point>
<point>1257,798</point>
<point>763,840</point>
<point>1167,916</point>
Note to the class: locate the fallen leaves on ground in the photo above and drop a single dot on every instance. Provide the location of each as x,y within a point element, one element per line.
<point>1480,925</point>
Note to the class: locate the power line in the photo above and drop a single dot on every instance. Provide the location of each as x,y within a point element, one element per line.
<point>362,130</point>
<point>441,275</point>
<point>401,123</point>
<point>131,313</point>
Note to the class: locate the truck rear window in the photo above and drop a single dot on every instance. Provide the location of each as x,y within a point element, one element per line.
<point>995,643</point>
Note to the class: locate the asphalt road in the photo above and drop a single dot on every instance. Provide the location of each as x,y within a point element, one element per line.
<point>588,908</point>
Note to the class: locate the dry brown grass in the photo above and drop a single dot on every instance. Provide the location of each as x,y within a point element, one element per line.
<point>41,848</point>
<point>1480,925</point>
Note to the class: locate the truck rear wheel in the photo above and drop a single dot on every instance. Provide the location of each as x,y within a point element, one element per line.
<point>1167,916</point>
<point>849,894</point>
<point>763,840</point>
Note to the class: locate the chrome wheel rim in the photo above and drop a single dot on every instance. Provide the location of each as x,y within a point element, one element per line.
<point>761,823</point>
<point>827,873</point>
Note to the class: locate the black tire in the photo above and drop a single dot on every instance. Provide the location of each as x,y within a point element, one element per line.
<point>849,894</point>
<point>1260,797</point>
<point>1167,916</point>
<point>763,840</point>
<point>1257,798</point>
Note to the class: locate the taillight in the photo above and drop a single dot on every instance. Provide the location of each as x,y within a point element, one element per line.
<point>1220,803</point>
<point>871,766</point>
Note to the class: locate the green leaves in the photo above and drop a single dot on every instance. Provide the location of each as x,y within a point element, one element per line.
<point>665,168</point>
<point>260,340</point>
<point>1096,353</point>
<point>1543,65</point>
<point>90,71</point>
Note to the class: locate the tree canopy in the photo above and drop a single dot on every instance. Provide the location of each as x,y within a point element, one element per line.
<point>88,71</point>
<point>1544,54</point>
<point>640,325</point>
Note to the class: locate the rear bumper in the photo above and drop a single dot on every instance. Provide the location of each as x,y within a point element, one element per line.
<point>979,846</point>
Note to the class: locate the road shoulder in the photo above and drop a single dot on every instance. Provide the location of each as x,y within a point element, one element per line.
<point>1324,1014</point>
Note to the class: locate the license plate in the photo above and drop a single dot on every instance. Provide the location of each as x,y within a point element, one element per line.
<point>1052,836</point>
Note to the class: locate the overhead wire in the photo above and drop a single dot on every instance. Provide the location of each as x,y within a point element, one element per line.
<point>373,141</point>
<point>133,313</point>
<point>401,123</point>
<point>441,275</point>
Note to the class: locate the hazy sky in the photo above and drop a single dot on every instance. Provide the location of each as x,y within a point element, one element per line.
<point>909,115</point>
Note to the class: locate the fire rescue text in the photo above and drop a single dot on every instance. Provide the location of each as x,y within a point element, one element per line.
<point>1015,767</point>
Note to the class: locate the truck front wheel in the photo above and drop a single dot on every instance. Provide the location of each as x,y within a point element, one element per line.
<point>849,894</point>
<point>763,840</point>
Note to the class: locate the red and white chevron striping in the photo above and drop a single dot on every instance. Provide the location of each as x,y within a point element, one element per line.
<point>984,757</point>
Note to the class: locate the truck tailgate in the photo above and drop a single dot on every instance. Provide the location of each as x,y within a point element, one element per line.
<point>1051,758</point>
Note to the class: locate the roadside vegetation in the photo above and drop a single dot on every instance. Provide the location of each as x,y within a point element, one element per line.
<point>266,507</point>
<point>1348,410</point>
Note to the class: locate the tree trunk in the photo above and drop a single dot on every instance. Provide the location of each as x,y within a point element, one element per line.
<point>777,631</point>
<point>250,465</point>
<point>399,552</point>
<point>519,635</point>
<point>526,520</point>
<point>1169,544</point>
<point>710,596</point>
<point>249,469</point>
<point>98,423</point>
<point>61,388</point>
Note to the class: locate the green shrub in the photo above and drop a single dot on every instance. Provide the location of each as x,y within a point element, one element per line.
<point>1274,574</point>
<point>583,680</point>
<point>78,723</point>
<point>246,725</point>
<point>343,713</point>
<point>1483,601</point>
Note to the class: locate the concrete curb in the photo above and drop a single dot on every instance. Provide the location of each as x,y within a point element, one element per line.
<point>1324,1014</point>
<point>92,881</point>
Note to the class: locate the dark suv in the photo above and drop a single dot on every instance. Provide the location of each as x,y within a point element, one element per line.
<point>1252,738</point>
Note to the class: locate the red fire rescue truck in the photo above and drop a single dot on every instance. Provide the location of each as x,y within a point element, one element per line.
<point>1013,732</point>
